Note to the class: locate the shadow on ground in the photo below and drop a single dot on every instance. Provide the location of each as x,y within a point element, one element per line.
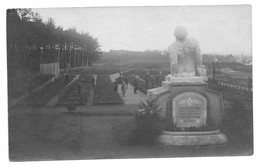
<point>70,136</point>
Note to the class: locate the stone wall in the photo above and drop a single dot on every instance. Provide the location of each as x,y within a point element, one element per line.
<point>51,68</point>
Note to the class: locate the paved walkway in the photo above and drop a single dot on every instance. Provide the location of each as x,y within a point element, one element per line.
<point>130,97</point>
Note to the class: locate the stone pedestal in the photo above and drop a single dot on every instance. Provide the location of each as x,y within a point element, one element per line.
<point>187,102</point>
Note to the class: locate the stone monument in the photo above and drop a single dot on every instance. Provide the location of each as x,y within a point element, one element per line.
<point>185,98</point>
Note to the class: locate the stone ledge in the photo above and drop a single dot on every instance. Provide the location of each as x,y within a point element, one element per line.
<point>185,139</point>
<point>191,79</point>
<point>156,92</point>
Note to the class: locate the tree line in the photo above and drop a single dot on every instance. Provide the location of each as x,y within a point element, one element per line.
<point>31,42</point>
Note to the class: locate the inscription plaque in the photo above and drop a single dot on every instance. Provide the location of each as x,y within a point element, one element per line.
<point>189,109</point>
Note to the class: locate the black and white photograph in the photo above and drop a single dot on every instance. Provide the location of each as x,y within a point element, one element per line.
<point>129,82</point>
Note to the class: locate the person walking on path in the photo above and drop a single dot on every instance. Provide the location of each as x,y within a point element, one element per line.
<point>116,85</point>
<point>79,82</point>
<point>126,82</point>
<point>123,88</point>
<point>135,85</point>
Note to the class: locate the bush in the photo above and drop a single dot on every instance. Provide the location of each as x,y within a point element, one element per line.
<point>149,123</point>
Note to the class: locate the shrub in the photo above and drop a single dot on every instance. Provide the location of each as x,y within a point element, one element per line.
<point>149,122</point>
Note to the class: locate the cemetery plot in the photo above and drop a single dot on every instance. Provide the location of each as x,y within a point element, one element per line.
<point>104,93</point>
<point>73,97</point>
<point>52,89</point>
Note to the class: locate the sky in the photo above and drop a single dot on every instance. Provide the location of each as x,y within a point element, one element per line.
<point>218,29</point>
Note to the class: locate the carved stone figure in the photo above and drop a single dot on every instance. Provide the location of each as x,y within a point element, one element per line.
<point>185,56</point>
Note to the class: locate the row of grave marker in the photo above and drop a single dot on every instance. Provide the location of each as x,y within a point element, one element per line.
<point>224,84</point>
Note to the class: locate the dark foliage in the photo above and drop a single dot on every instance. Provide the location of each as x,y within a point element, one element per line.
<point>149,123</point>
<point>30,42</point>
<point>237,118</point>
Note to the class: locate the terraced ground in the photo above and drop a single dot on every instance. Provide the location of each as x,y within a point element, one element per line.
<point>73,97</point>
<point>18,86</point>
<point>42,96</point>
<point>104,92</point>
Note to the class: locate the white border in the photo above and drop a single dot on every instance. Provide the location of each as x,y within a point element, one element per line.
<point>175,162</point>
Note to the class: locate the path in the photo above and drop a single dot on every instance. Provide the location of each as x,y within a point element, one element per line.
<point>130,97</point>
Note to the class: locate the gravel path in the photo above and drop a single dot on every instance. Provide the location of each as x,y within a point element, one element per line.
<point>130,97</point>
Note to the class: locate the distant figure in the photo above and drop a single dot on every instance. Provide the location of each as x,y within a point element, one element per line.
<point>93,82</point>
<point>120,79</point>
<point>123,87</point>
<point>126,82</point>
<point>135,85</point>
<point>249,83</point>
<point>116,85</point>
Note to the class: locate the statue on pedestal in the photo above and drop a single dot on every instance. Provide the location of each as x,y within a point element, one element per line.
<point>185,55</point>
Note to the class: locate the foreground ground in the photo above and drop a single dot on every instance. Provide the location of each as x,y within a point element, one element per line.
<point>93,134</point>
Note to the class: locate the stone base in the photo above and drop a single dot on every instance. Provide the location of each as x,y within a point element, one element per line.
<point>185,139</point>
<point>191,79</point>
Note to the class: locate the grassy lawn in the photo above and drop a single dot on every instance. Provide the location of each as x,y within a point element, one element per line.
<point>28,135</point>
<point>101,137</point>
